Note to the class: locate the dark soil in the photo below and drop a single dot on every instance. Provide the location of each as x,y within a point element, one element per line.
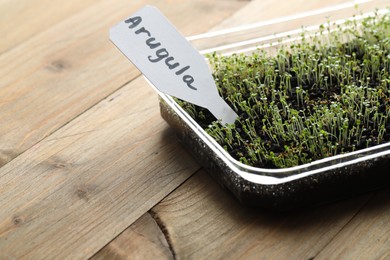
<point>317,96</point>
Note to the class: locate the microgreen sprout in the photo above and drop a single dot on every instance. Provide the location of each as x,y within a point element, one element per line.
<point>323,95</point>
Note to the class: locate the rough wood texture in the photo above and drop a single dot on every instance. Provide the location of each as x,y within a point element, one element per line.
<point>72,192</point>
<point>203,221</point>
<point>143,240</point>
<point>76,190</point>
<point>93,154</point>
<point>21,20</point>
<point>367,236</point>
<point>53,77</point>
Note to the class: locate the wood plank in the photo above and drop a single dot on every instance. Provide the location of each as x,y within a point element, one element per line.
<point>72,193</point>
<point>143,240</point>
<point>15,29</point>
<point>367,236</point>
<point>257,11</point>
<point>266,10</point>
<point>263,10</point>
<point>76,190</point>
<point>202,221</point>
<point>20,20</point>
<point>243,17</point>
<point>58,74</point>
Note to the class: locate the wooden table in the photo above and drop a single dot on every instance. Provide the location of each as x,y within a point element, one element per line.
<point>89,169</point>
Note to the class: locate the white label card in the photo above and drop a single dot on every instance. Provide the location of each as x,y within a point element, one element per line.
<point>169,61</point>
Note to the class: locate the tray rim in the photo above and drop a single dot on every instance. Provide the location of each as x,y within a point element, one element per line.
<point>265,176</point>
<point>256,175</point>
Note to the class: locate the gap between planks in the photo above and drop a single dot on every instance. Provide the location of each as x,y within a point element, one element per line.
<point>204,221</point>
<point>90,184</point>
<point>371,195</point>
<point>196,223</point>
<point>80,195</point>
<point>367,235</point>
<point>69,150</point>
<point>120,248</point>
<point>238,17</point>
<point>70,66</point>
<point>148,242</point>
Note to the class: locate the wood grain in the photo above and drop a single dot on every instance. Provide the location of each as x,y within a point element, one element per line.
<point>367,236</point>
<point>93,154</point>
<point>143,240</point>
<point>208,247</point>
<point>76,190</point>
<point>72,192</point>
<point>55,76</point>
<point>20,20</point>
<point>203,221</point>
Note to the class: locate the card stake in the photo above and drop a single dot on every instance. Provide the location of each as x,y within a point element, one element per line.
<point>169,61</point>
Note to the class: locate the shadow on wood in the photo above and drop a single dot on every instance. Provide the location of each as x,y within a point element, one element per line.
<point>202,220</point>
